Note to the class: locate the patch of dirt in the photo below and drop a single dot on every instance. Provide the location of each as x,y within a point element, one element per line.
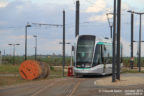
<point>10,80</point>
<point>125,81</point>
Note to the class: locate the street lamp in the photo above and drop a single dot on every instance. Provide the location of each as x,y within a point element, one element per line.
<point>110,25</point>
<point>35,36</point>
<point>26,40</point>
<point>13,52</point>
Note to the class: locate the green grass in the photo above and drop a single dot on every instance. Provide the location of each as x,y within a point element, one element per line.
<point>9,68</point>
<point>126,70</point>
<point>57,60</point>
<point>51,60</point>
<point>126,61</point>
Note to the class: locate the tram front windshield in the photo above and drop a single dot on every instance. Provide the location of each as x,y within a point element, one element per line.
<point>84,54</point>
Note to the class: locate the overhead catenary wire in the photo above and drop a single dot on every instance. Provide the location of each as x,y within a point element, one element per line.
<point>54,25</point>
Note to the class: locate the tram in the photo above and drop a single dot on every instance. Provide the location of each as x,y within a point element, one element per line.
<point>93,56</point>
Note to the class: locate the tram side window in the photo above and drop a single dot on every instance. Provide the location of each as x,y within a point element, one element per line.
<point>107,54</point>
<point>97,57</point>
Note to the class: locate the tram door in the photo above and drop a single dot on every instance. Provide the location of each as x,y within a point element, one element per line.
<point>107,58</point>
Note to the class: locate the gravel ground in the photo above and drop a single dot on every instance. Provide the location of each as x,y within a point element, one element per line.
<point>86,86</point>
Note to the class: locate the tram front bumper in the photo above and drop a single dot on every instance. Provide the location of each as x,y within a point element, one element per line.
<point>84,71</point>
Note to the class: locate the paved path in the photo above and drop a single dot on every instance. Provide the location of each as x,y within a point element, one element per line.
<point>86,86</point>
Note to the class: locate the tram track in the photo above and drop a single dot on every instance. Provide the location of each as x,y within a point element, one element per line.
<point>74,87</point>
<point>56,87</point>
<point>32,88</point>
<point>43,88</point>
<point>46,87</point>
<point>68,87</point>
<point>86,86</point>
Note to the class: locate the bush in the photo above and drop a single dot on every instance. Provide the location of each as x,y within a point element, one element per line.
<point>51,68</point>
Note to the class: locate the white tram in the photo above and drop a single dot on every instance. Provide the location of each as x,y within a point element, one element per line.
<point>93,56</point>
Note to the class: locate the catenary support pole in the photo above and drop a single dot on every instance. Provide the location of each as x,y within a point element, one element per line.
<point>77,19</point>
<point>139,59</point>
<point>132,24</point>
<point>114,34</point>
<point>26,42</point>
<point>63,41</point>
<point>118,37</point>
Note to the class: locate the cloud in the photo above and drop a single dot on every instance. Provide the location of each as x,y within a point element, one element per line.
<point>4,31</point>
<point>20,37</point>
<point>21,11</point>
<point>104,5</point>
<point>126,47</point>
<point>99,6</point>
<point>140,1</point>
<point>3,4</point>
<point>18,12</point>
<point>53,46</point>
<point>100,18</point>
<point>125,6</point>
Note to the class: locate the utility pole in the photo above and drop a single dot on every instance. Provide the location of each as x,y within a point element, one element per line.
<point>110,25</point>
<point>132,30</point>
<point>63,41</point>
<point>77,19</point>
<point>118,37</point>
<point>114,44</point>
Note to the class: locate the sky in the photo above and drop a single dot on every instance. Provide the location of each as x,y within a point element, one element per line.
<point>15,14</point>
